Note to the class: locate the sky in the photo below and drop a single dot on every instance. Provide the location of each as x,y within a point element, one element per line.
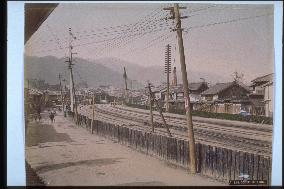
<point>238,37</point>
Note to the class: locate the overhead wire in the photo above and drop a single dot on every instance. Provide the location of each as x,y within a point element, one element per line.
<point>186,30</point>
<point>149,24</point>
<point>111,39</point>
<point>140,32</point>
<point>112,27</point>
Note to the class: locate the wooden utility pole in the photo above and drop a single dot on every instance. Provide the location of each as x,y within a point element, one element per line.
<point>64,96</point>
<point>93,117</point>
<point>151,108</point>
<point>59,76</point>
<point>72,88</point>
<point>168,71</point>
<point>125,82</point>
<point>160,111</point>
<point>176,15</point>
<point>131,91</point>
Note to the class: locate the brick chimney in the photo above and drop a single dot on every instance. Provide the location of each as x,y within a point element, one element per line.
<point>174,81</point>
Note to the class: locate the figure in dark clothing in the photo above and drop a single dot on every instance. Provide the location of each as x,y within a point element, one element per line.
<point>35,117</point>
<point>39,117</point>
<point>38,110</point>
<point>51,117</point>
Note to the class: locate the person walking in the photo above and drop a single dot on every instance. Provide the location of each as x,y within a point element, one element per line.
<point>39,117</point>
<point>51,117</point>
<point>35,117</point>
<point>54,117</point>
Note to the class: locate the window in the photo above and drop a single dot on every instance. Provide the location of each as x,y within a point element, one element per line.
<point>208,98</point>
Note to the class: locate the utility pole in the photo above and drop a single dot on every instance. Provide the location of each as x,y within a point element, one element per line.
<point>131,91</point>
<point>125,82</point>
<point>92,124</point>
<point>176,15</point>
<point>64,97</point>
<point>168,71</point>
<point>72,88</point>
<point>151,108</point>
<point>59,76</point>
<point>160,111</point>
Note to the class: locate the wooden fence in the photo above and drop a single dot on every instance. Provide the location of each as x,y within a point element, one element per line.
<point>215,162</point>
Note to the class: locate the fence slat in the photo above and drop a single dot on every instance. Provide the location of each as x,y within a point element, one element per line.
<point>186,153</point>
<point>203,159</point>
<point>220,163</point>
<point>198,156</point>
<point>256,167</point>
<point>241,163</point>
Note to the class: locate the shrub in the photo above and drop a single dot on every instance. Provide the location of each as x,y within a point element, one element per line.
<point>233,117</point>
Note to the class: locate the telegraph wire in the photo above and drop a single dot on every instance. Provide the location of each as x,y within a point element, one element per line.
<point>225,22</point>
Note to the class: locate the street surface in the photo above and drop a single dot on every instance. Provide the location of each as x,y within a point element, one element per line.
<point>62,153</point>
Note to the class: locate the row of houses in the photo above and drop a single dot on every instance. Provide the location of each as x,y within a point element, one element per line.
<point>230,97</point>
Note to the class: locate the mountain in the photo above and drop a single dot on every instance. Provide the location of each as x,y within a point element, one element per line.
<point>47,68</point>
<point>155,74</point>
<point>107,71</point>
<point>135,71</point>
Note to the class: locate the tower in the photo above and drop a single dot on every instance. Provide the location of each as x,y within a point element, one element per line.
<point>174,81</point>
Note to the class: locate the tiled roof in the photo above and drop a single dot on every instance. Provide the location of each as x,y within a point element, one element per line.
<point>265,78</point>
<point>195,86</point>
<point>179,87</point>
<point>159,88</point>
<point>219,87</point>
<point>35,92</point>
<point>267,84</point>
<point>215,89</point>
<point>49,92</point>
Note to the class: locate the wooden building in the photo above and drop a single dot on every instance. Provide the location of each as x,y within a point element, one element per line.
<point>262,95</point>
<point>231,97</point>
<point>176,99</point>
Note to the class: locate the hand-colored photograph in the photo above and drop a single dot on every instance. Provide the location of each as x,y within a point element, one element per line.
<point>148,94</point>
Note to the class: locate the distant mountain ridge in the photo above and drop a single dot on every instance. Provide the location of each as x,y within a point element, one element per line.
<point>155,74</point>
<point>48,68</point>
<point>107,71</point>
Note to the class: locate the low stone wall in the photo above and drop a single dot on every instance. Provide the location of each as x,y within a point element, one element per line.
<point>215,162</point>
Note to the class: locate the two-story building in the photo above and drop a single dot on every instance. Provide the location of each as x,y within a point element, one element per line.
<point>260,95</point>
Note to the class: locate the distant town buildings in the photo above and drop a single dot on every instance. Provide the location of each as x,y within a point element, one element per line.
<point>228,97</point>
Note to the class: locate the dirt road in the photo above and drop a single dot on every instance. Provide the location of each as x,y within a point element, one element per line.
<point>63,154</point>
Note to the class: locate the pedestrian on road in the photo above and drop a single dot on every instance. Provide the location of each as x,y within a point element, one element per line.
<point>35,117</point>
<point>39,117</point>
<point>54,114</point>
<point>51,117</point>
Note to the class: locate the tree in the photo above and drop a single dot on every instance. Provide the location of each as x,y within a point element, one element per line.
<point>238,77</point>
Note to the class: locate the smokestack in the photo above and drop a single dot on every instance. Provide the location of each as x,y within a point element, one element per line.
<point>174,82</point>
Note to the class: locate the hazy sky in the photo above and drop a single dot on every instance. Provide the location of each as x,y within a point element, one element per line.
<point>108,30</point>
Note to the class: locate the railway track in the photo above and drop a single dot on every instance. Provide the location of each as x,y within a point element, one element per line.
<point>248,139</point>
